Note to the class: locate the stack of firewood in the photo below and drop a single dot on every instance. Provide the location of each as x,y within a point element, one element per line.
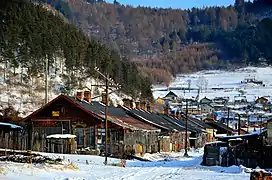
<point>31,159</point>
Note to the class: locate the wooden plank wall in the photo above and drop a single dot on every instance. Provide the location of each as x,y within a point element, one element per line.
<point>13,140</point>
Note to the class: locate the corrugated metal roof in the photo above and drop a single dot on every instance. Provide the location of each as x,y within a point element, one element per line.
<point>137,124</point>
<point>181,122</point>
<point>219,124</point>
<point>116,115</point>
<point>200,123</point>
<point>158,120</point>
<point>130,123</point>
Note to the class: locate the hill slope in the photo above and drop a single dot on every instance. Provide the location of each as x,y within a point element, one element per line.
<point>27,38</point>
<point>162,36</point>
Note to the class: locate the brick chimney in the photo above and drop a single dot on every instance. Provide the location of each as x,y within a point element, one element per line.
<point>127,103</point>
<point>148,107</point>
<point>104,98</point>
<point>178,116</point>
<point>137,105</point>
<point>87,96</point>
<point>131,104</point>
<point>166,111</point>
<point>143,106</point>
<point>79,95</point>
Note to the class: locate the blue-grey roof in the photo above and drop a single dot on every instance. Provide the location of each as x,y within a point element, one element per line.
<point>10,126</point>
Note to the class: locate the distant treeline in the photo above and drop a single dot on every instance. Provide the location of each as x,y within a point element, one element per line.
<point>160,40</point>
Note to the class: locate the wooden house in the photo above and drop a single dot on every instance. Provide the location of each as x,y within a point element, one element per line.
<point>172,136</point>
<point>160,101</point>
<point>86,119</point>
<point>240,100</point>
<point>221,129</point>
<point>247,150</point>
<point>205,100</point>
<point>206,108</point>
<point>171,96</point>
<point>217,106</point>
<point>269,132</point>
<point>200,133</point>
<point>193,109</point>
<point>208,130</point>
<point>221,100</point>
<point>138,137</point>
<point>261,100</point>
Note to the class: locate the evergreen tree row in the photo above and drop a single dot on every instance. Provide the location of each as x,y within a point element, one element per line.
<point>29,33</point>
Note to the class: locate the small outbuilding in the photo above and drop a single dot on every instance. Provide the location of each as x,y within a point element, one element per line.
<point>11,136</point>
<point>61,143</point>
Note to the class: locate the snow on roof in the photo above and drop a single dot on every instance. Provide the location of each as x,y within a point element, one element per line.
<point>239,98</point>
<point>257,133</point>
<point>61,136</point>
<point>215,142</point>
<point>220,135</point>
<point>12,126</point>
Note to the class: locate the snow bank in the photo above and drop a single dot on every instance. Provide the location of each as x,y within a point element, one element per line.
<point>92,167</point>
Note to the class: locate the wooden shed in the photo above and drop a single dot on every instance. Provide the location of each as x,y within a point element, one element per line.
<point>61,143</point>
<point>11,136</point>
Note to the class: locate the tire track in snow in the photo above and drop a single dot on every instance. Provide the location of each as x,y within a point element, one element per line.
<point>143,174</point>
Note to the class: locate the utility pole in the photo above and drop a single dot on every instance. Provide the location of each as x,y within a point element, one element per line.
<point>261,123</point>
<point>247,122</point>
<point>108,83</point>
<point>106,120</point>
<point>228,121</point>
<point>46,80</point>
<point>239,124</point>
<point>186,130</point>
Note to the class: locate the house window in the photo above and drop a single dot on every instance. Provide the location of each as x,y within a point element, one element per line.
<point>90,138</point>
<point>79,137</point>
<point>101,136</point>
<point>117,136</point>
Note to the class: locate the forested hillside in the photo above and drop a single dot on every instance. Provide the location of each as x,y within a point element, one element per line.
<point>160,39</point>
<point>29,33</point>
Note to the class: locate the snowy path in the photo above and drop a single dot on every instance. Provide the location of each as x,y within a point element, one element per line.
<point>176,167</point>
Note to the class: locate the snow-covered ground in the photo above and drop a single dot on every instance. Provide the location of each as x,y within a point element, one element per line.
<point>163,167</point>
<point>229,81</point>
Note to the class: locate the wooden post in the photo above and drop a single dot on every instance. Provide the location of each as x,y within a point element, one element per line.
<point>46,80</point>
<point>95,136</point>
<point>186,132</point>
<point>106,122</point>
<point>228,121</point>
<point>84,138</point>
<point>239,124</point>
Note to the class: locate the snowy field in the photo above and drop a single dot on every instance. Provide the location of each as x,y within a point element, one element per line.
<point>229,81</point>
<point>163,167</point>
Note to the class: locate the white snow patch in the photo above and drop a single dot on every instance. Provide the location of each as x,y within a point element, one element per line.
<point>226,84</point>
<point>92,167</point>
<point>61,136</point>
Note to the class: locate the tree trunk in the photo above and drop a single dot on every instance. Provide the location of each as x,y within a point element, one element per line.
<point>5,73</point>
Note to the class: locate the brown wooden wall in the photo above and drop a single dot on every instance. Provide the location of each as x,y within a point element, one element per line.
<point>66,111</point>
